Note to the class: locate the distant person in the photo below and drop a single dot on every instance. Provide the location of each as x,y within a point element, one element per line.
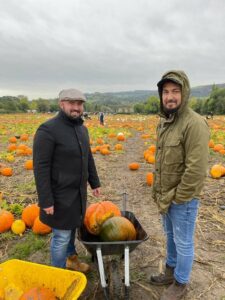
<point>86,116</point>
<point>180,171</point>
<point>209,115</point>
<point>101,118</point>
<point>63,164</point>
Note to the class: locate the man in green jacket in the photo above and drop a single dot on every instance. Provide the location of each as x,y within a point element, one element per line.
<point>180,170</point>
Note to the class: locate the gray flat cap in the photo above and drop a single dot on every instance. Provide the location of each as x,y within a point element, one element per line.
<point>71,94</point>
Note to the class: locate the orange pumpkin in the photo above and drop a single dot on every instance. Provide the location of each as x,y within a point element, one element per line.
<point>28,165</point>
<point>100,141</point>
<point>211,144</point>
<point>93,150</point>
<point>29,214</point>
<point>98,213</point>
<point>6,171</point>
<point>13,139</point>
<point>24,137</point>
<point>134,166</point>
<point>104,151</point>
<point>149,178</point>
<point>222,151</point>
<point>40,228</point>
<point>217,171</point>
<point>6,220</point>
<point>28,151</point>
<point>152,148</point>
<point>38,293</point>
<point>120,137</point>
<point>19,152</point>
<point>218,147</point>
<point>11,147</point>
<point>118,147</point>
<point>151,159</point>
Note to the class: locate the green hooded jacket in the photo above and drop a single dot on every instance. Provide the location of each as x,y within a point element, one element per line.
<point>181,150</point>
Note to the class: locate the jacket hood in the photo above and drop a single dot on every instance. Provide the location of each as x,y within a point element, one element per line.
<point>180,78</point>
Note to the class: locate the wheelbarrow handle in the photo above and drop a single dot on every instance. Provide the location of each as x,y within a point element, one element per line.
<point>124,205</point>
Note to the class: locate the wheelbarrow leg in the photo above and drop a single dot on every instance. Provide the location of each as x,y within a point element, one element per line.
<point>102,273</point>
<point>126,271</point>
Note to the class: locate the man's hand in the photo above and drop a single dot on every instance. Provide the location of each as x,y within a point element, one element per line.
<point>49,210</point>
<point>96,192</point>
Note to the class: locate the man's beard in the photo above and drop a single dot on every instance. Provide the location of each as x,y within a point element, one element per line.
<point>73,117</point>
<point>170,111</point>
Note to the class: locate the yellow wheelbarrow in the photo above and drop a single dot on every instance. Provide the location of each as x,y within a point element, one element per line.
<point>18,276</point>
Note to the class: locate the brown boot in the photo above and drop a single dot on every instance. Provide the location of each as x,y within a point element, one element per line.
<point>74,264</point>
<point>175,291</point>
<point>163,278</point>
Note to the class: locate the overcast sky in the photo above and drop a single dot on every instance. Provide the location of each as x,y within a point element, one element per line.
<point>108,45</point>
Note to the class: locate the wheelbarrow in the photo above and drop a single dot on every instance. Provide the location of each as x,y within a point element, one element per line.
<point>112,283</point>
<point>19,276</point>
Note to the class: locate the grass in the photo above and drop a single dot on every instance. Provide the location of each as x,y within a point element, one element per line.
<point>26,187</point>
<point>29,245</point>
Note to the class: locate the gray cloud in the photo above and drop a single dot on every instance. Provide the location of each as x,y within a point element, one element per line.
<point>108,45</point>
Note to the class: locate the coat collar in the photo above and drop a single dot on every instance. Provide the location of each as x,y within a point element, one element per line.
<point>73,122</point>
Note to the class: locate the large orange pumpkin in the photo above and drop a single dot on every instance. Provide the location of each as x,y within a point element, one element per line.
<point>40,228</point>
<point>29,214</point>
<point>37,293</point>
<point>6,220</point>
<point>117,229</point>
<point>98,213</point>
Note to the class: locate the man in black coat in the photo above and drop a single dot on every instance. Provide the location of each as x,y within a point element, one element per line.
<point>63,164</point>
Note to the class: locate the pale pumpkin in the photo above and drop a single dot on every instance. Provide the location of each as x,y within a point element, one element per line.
<point>117,229</point>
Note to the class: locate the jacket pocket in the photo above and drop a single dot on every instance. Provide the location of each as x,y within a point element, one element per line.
<point>174,153</point>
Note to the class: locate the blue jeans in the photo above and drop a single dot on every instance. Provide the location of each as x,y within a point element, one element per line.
<point>179,227</point>
<point>62,246</point>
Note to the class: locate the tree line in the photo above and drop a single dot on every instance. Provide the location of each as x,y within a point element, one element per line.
<point>215,103</point>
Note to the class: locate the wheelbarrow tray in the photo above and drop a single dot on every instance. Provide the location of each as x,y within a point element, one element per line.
<point>92,242</point>
<point>25,275</point>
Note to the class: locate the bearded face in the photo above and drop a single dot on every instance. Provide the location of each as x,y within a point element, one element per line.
<point>171,96</point>
<point>72,108</point>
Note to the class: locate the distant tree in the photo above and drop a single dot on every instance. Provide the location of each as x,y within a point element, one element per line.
<point>139,108</point>
<point>196,104</point>
<point>53,107</point>
<point>216,101</point>
<point>152,105</point>
<point>43,105</point>
<point>23,104</point>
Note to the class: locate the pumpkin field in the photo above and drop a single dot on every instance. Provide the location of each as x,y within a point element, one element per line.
<point>123,150</point>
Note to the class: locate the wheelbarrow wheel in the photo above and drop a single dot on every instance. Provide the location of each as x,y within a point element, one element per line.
<point>115,279</point>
